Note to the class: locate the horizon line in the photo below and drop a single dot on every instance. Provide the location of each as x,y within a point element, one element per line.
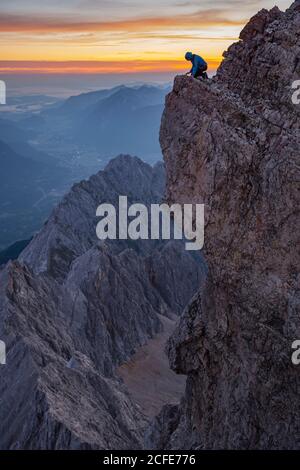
<point>97,66</point>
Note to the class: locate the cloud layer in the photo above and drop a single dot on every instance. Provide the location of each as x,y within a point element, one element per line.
<point>117,35</point>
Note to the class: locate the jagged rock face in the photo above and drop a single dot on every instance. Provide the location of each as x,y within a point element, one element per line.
<point>50,401</point>
<point>70,230</point>
<point>233,143</point>
<point>72,309</point>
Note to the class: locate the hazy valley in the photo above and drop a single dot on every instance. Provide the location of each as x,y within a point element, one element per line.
<point>44,151</point>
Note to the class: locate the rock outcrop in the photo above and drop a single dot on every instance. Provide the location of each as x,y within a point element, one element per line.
<point>233,143</point>
<point>73,309</point>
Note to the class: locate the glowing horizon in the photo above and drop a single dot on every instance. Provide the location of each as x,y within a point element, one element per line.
<point>118,36</point>
<point>96,67</point>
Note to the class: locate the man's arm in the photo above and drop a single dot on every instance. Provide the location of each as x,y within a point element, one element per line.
<point>194,69</point>
<point>190,71</point>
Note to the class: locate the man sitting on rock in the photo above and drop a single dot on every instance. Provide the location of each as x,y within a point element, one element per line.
<point>199,66</point>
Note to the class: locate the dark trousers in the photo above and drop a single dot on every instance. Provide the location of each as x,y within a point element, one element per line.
<point>200,71</point>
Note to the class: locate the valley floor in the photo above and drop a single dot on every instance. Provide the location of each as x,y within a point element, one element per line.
<point>148,377</point>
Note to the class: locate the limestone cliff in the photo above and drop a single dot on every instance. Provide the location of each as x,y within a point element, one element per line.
<point>233,143</point>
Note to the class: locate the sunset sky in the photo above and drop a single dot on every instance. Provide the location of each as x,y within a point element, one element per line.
<point>118,36</point>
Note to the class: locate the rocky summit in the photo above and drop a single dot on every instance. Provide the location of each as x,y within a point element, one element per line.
<point>233,144</point>
<point>74,309</point>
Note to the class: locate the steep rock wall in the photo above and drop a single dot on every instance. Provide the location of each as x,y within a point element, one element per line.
<point>233,143</point>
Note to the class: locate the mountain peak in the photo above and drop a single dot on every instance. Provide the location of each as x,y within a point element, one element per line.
<point>73,309</point>
<point>71,229</point>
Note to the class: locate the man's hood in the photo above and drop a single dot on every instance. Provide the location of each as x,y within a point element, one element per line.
<point>189,56</point>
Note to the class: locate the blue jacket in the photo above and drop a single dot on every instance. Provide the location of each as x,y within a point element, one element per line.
<point>197,61</point>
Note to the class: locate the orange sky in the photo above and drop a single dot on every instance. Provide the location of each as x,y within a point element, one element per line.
<point>117,36</point>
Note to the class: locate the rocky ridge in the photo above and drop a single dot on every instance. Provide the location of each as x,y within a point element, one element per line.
<point>73,309</point>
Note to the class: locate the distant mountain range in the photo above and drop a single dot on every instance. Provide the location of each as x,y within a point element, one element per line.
<point>11,132</point>
<point>13,251</point>
<point>43,153</point>
<point>121,120</point>
<point>25,188</point>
